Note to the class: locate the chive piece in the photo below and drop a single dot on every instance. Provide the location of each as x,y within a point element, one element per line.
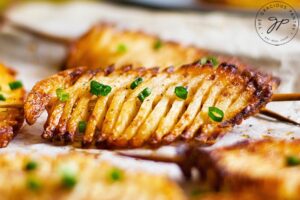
<point>81,126</point>
<point>136,82</point>
<point>203,61</point>
<point>99,89</point>
<point>181,92</point>
<point>157,45</point>
<point>209,59</point>
<point>115,174</point>
<point>213,60</point>
<point>2,98</point>
<point>68,173</point>
<point>15,85</point>
<point>145,93</point>
<point>62,95</point>
<point>33,184</point>
<point>31,165</point>
<point>121,48</point>
<point>292,161</point>
<point>68,180</point>
<point>215,114</point>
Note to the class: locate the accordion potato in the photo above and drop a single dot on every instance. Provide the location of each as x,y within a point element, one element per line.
<point>106,45</point>
<point>134,107</point>
<point>78,176</point>
<point>11,118</point>
<point>268,168</point>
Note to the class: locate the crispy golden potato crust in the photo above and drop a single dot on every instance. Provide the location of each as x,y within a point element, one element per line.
<point>11,119</point>
<point>120,119</point>
<point>78,176</point>
<point>259,167</point>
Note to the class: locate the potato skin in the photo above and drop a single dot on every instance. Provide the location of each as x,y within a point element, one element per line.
<point>11,119</point>
<point>255,166</point>
<point>121,120</point>
<point>93,179</point>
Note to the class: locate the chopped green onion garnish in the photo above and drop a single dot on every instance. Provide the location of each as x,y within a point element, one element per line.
<point>68,173</point>
<point>15,85</point>
<point>33,184</point>
<point>62,95</point>
<point>115,174</point>
<point>158,44</point>
<point>81,126</point>
<point>292,161</point>
<point>31,165</point>
<point>209,59</point>
<point>215,114</point>
<point>145,93</point>
<point>68,180</point>
<point>99,89</point>
<point>2,98</point>
<point>121,48</point>
<point>203,61</point>
<point>181,92</point>
<point>136,82</point>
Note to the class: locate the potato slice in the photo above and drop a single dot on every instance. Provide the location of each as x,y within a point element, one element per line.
<point>121,118</point>
<point>107,44</point>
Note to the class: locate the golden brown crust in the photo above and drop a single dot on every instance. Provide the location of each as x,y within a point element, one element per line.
<point>94,179</point>
<point>257,167</point>
<point>11,119</point>
<point>120,119</point>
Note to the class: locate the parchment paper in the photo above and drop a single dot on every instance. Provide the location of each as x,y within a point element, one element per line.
<point>35,59</point>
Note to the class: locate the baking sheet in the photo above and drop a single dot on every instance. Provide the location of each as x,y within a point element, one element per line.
<point>36,59</point>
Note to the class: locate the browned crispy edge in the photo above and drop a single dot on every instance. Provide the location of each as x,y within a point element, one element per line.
<point>7,133</point>
<point>41,94</point>
<point>39,97</point>
<point>263,85</point>
<point>219,177</point>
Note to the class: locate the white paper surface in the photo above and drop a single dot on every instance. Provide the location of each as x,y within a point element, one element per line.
<point>36,59</point>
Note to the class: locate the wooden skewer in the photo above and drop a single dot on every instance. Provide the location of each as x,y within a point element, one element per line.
<point>277,116</point>
<point>164,159</point>
<point>286,97</point>
<point>266,112</point>
<point>38,34</point>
